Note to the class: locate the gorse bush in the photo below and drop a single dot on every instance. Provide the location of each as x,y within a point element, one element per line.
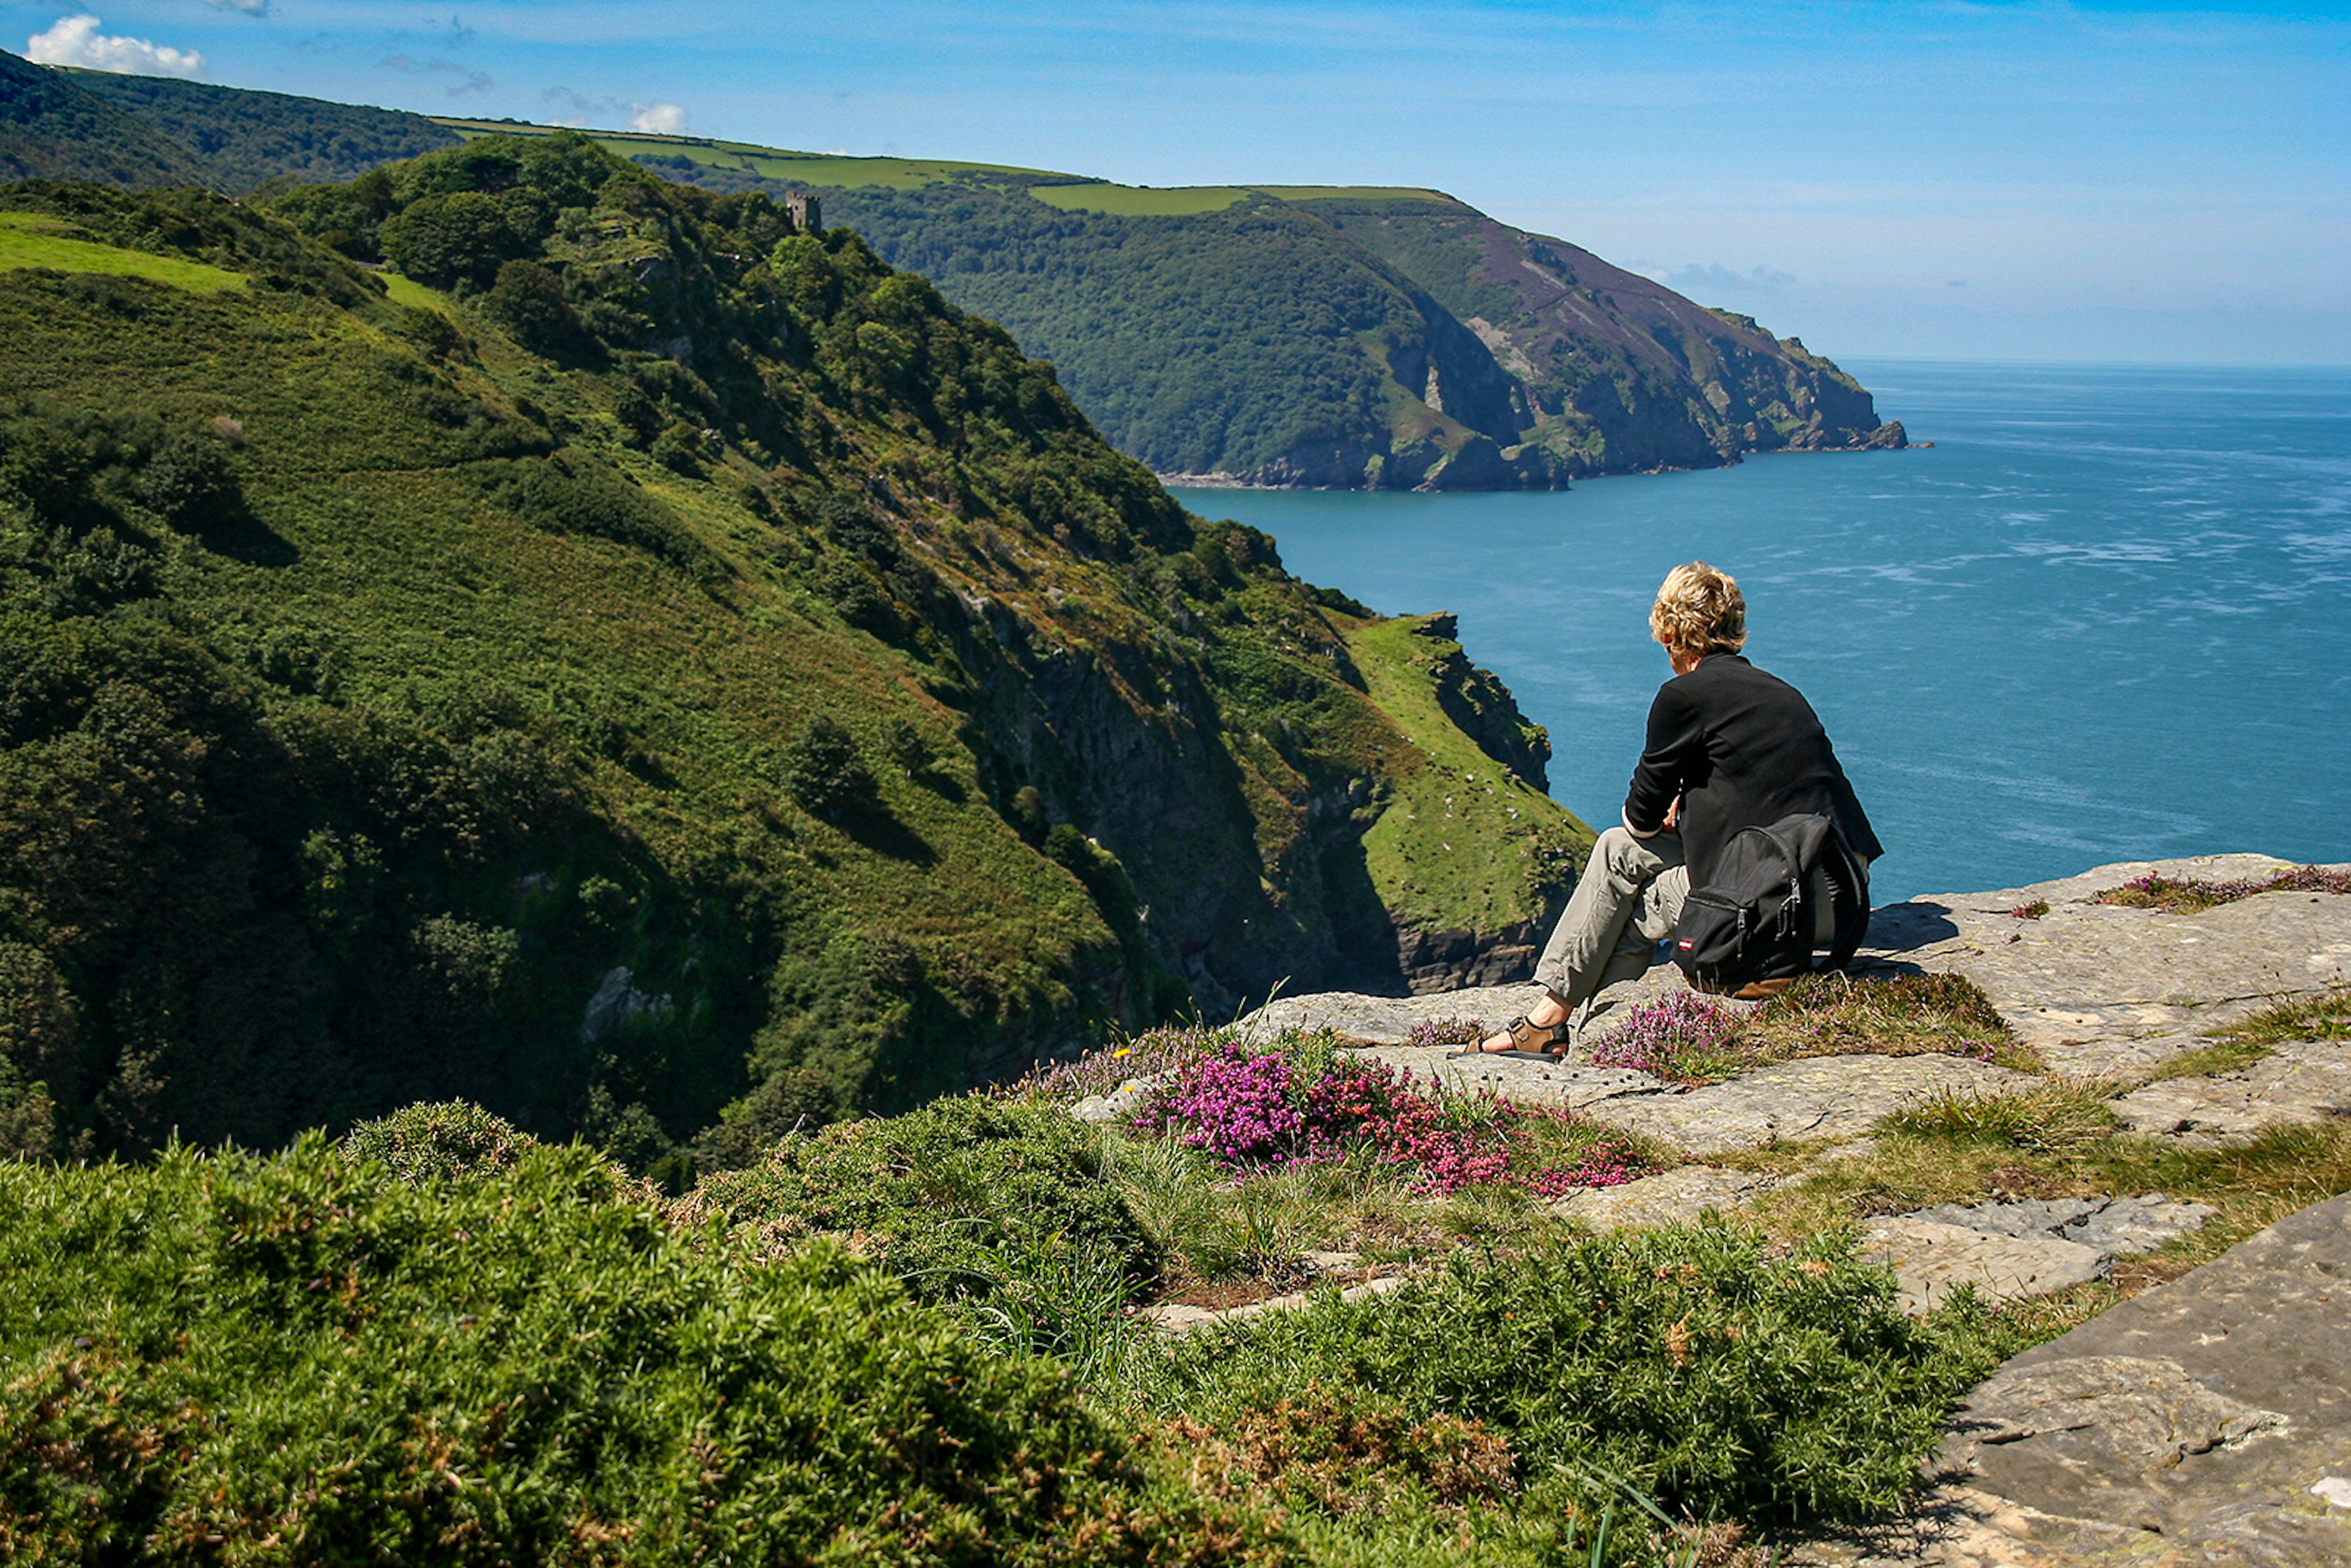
<point>951,1198</point>
<point>426,1143</point>
<point>239,1359</point>
<point>826,773</point>
<point>1688,1362</point>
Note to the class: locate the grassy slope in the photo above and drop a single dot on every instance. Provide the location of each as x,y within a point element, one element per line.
<point>246,138</point>
<point>28,240</point>
<point>51,129</point>
<point>378,555</point>
<point>1467,845</point>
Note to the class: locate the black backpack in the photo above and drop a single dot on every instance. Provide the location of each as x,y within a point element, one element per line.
<point>1750,928</point>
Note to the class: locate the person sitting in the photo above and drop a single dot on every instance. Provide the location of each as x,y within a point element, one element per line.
<point>1728,748</point>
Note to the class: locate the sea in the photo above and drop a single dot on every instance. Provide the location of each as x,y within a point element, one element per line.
<point>2102,618</point>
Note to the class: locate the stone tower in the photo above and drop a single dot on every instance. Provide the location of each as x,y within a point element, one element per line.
<point>807,215</point>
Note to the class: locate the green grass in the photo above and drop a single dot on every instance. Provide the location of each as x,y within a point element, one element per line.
<point>1138,201</point>
<point>30,239</point>
<point>2051,1118</point>
<point>1463,845</point>
<point>1903,1015</point>
<point>2229,1056</point>
<point>408,291</point>
<point>830,169</point>
<point>2316,1018</point>
<point>1354,194</point>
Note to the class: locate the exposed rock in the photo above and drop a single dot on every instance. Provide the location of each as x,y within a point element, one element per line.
<point>618,1004</point>
<point>2104,990</point>
<point>2106,1225</point>
<point>1388,1020</point>
<point>2129,1414</point>
<point>2302,1081</point>
<point>2207,1421</point>
<point>1931,1260</point>
<point>1832,1097</point>
<point>1119,1103</point>
<point>1448,961</point>
<point>1671,1197</point>
<point>1177,1318</point>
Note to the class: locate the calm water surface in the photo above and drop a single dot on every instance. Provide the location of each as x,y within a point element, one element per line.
<point>2104,619</point>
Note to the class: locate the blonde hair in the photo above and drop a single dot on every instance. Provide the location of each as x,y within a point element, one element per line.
<point>1699,610</point>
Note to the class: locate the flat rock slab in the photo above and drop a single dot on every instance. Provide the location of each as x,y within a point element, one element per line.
<point>2304,1081</point>
<point>2108,1226</point>
<point>2207,1421</point>
<point>1173,1317</point>
<point>1672,1197</point>
<point>2099,989</point>
<point>1565,1084</point>
<point>1389,1020</point>
<point>1362,1020</point>
<point>1831,1097</point>
<point>1930,1260</point>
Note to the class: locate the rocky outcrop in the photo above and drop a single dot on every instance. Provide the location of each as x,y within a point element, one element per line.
<point>2207,1421</point>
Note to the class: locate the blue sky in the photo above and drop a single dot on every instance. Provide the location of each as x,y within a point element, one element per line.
<point>1976,180</point>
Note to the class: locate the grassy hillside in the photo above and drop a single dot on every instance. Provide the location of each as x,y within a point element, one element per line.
<point>246,138</point>
<point>655,672</point>
<point>141,132</point>
<point>50,128</point>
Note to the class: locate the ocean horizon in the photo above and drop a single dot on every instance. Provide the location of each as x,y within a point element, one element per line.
<point>2089,624</point>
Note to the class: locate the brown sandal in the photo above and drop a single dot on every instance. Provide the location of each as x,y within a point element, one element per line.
<point>1533,1042</point>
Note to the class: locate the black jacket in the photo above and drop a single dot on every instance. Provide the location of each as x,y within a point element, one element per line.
<point>1743,749</point>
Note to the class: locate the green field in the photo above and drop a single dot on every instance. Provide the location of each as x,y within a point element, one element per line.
<point>29,239</point>
<point>1352,194</point>
<point>408,291</point>
<point>844,171</point>
<point>769,162</point>
<point>1139,201</point>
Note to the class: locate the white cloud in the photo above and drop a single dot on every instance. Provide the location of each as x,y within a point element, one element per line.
<point>76,41</point>
<point>661,118</point>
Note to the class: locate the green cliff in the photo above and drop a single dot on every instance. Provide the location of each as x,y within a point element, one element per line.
<point>653,671</point>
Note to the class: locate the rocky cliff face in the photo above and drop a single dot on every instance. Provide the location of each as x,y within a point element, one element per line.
<point>1607,370</point>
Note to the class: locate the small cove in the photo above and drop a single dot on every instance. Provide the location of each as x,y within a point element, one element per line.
<point>2098,621</point>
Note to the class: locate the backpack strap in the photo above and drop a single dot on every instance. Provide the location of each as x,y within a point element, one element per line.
<point>1849,881</point>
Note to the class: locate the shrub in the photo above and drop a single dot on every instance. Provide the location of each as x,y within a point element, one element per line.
<point>2184,895</point>
<point>950,1197</point>
<point>573,494</point>
<point>527,301</point>
<point>190,484</point>
<point>1448,1032</point>
<point>426,1143</point>
<point>455,237</point>
<point>242,1358</point>
<point>1688,1361</point>
<point>823,771</point>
